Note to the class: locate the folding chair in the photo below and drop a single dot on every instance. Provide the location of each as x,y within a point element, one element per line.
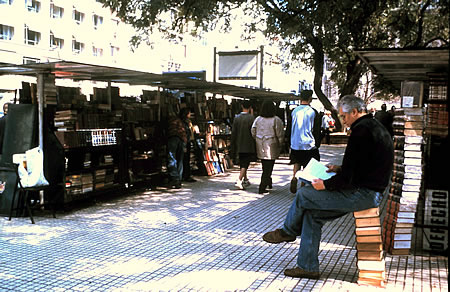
<point>25,197</point>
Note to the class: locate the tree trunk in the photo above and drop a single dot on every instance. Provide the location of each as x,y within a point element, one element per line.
<point>354,74</point>
<point>318,73</point>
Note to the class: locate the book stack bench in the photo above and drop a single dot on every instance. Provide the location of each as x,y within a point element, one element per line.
<point>369,248</point>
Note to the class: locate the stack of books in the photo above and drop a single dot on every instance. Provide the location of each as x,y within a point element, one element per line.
<point>437,120</point>
<point>87,184</point>
<point>100,176</point>
<point>50,90</point>
<point>109,177</point>
<point>369,246</point>
<point>66,120</point>
<point>407,180</point>
<point>73,187</point>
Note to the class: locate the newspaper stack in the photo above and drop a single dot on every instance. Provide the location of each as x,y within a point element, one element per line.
<point>369,246</point>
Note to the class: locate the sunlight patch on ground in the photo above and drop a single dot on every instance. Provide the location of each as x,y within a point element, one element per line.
<point>212,280</point>
<point>32,234</point>
<point>7,276</point>
<point>156,216</point>
<point>332,285</point>
<point>326,246</point>
<point>129,267</point>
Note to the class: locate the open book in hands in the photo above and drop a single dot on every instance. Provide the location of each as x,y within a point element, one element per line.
<point>314,170</point>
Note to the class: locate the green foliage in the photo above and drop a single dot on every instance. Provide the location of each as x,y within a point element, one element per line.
<point>306,30</point>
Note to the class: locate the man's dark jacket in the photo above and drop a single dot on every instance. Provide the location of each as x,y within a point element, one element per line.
<point>368,158</point>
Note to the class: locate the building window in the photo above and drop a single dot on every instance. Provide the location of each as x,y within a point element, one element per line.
<point>55,11</point>
<point>6,32</point>
<point>78,16</point>
<point>32,37</point>
<point>28,60</point>
<point>6,2</point>
<point>97,20</point>
<point>97,52</point>
<point>33,5</point>
<point>77,47</point>
<point>56,43</point>
<point>114,51</point>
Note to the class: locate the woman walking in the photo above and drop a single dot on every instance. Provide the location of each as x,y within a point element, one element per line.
<point>268,131</point>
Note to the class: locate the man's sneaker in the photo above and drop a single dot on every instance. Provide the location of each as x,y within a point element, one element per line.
<point>246,183</point>
<point>239,184</point>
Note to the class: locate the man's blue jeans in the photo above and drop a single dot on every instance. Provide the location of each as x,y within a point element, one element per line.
<point>175,149</point>
<point>311,209</point>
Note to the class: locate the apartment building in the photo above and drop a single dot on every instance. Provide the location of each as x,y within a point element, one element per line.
<point>50,30</point>
<point>33,31</point>
<point>39,31</point>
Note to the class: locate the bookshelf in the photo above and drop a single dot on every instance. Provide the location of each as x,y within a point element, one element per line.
<point>90,170</point>
<point>418,189</point>
<point>91,134</point>
<point>212,141</point>
<point>434,204</point>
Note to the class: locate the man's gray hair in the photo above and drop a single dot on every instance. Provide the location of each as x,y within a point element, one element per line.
<point>350,102</point>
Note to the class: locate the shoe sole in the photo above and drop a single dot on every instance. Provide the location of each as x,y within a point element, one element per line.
<point>302,274</point>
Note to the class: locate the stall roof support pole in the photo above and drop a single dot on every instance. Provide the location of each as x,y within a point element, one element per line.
<point>40,99</point>
<point>214,64</point>
<point>109,95</point>
<point>261,70</point>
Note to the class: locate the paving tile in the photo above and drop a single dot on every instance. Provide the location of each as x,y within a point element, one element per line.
<point>204,237</point>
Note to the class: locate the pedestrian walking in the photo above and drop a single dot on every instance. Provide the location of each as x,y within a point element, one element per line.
<point>243,146</point>
<point>3,125</point>
<point>359,184</point>
<point>305,137</point>
<point>327,126</point>
<point>185,116</point>
<point>268,132</point>
<point>385,118</point>
<point>176,146</point>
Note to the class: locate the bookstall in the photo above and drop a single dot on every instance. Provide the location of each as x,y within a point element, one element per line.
<point>418,196</point>
<point>107,141</point>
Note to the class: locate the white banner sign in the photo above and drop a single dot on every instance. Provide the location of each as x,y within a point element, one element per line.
<point>238,66</point>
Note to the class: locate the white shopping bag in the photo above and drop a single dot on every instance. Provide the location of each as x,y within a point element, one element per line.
<point>31,170</point>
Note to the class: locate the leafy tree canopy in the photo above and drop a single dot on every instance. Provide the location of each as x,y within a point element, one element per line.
<point>306,29</point>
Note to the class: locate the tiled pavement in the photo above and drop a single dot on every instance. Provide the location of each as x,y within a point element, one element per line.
<point>204,237</point>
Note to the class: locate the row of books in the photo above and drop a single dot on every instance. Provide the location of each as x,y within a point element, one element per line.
<point>212,167</point>
<point>210,109</point>
<point>139,112</point>
<point>82,183</point>
<point>369,247</point>
<point>70,120</point>
<point>407,180</point>
<point>103,160</point>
